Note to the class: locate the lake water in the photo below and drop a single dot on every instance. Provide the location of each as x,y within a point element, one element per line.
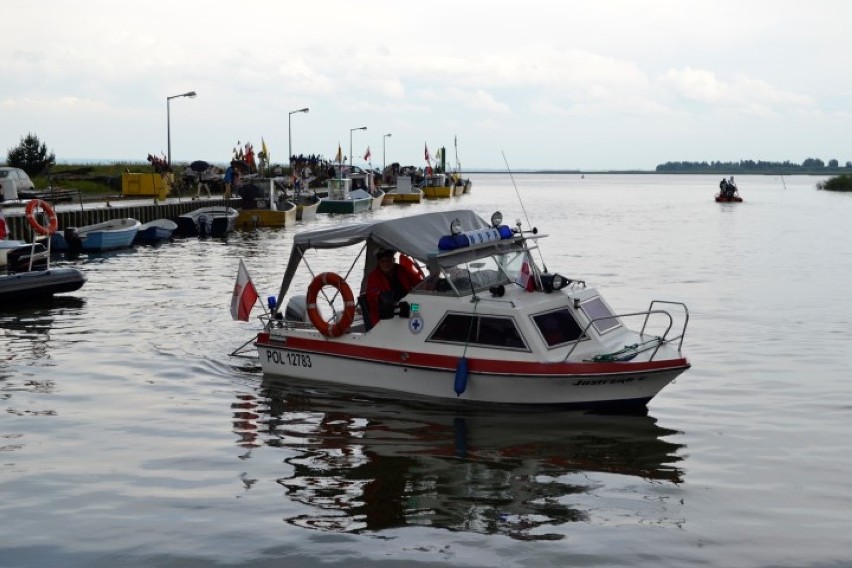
<point>131,437</point>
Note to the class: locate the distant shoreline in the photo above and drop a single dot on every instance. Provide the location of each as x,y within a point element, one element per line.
<point>650,172</point>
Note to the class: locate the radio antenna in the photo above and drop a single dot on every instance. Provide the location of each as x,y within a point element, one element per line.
<point>508,169</point>
<point>524,209</point>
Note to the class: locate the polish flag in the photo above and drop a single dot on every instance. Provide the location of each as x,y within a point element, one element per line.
<point>427,156</point>
<point>525,278</point>
<point>367,155</point>
<point>245,295</point>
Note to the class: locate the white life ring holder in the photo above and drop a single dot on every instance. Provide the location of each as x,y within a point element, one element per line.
<point>339,327</point>
<point>53,222</point>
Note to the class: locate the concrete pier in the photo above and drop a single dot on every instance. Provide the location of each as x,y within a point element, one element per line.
<point>90,212</point>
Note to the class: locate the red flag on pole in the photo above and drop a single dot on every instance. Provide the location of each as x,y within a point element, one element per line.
<point>427,156</point>
<point>367,155</point>
<point>245,295</point>
<point>525,277</point>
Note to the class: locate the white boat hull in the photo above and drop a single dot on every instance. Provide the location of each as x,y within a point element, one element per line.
<point>489,381</point>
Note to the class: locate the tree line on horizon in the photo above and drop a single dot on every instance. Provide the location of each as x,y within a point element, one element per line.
<point>810,165</point>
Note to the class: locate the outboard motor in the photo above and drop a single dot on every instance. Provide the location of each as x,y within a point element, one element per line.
<point>75,243</point>
<point>204,227</point>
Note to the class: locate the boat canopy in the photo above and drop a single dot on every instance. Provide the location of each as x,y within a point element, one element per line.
<point>416,236</point>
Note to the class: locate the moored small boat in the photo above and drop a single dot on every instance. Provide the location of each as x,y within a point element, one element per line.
<point>436,186</point>
<point>343,199</point>
<point>110,235</point>
<point>214,221</point>
<point>264,206</point>
<point>155,231</point>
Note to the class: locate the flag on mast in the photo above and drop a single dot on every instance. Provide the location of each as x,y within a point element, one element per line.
<point>367,155</point>
<point>428,158</point>
<point>339,157</point>
<point>525,278</point>
<point>245,295</point>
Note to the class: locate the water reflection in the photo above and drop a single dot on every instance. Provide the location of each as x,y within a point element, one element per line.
<point>26,326</point>
<point>366,465</point>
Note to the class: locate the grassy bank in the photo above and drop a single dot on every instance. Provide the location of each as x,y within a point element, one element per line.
<point>89,179</point>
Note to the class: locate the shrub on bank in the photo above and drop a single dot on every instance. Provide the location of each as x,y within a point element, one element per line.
<point>838,183</point>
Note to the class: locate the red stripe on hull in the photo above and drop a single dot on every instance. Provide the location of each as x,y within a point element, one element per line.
<point>448,362</point>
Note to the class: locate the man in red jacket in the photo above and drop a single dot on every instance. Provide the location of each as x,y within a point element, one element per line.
<point>389,278</point>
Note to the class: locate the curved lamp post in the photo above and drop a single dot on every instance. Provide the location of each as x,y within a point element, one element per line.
<point>383,152</point>
<point>351,130</point>
<point>191,95</point>
<point>290,135</point>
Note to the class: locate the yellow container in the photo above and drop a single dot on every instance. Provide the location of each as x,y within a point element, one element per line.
<point>145,185</point>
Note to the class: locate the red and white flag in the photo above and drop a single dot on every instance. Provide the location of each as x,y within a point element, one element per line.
<point>3,230</point>
<point>525,277</point>
<point>245,295</point>
<point>427,156</point>
<point>367,155</point>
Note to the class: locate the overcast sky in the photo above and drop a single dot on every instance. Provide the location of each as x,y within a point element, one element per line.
<point>590,85</point>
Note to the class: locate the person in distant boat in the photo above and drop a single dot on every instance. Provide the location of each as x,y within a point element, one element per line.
<point>388,283</point>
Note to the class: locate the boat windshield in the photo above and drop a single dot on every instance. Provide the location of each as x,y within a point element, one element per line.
<point>474,275</point>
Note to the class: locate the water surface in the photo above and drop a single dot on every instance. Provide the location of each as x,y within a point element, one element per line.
<point>131,437</point>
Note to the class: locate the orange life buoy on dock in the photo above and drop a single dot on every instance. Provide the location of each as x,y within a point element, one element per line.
<point>52,221</point>
<point>339,327</point>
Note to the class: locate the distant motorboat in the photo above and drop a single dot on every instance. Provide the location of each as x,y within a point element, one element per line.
<point>214,221</point>
<point>728,192</point>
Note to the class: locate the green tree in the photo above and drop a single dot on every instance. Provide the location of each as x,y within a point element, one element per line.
<point>30,155</point>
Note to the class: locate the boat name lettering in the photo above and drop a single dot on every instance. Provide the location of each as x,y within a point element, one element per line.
<point>289,358</point>
<point>593,382</point>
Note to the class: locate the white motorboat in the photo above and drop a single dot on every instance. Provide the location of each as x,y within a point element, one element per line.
<point>214,221</point>
<point>487,325</point>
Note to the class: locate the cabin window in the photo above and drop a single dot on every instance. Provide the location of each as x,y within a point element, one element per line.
<point>595,308</point>
<point>488,331</point>
<point>558,327</point>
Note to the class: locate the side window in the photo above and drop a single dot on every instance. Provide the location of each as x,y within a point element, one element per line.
<point>495,332</point>
<point>595,308</point>
<point>558,327</point>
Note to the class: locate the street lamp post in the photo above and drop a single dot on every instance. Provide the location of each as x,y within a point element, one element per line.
<point>190,94</point>
<point>383,152</point>
<point>290,133</point>
<point>351,130</point>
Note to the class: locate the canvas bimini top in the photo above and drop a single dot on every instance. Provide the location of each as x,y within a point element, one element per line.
<point>416,236</point>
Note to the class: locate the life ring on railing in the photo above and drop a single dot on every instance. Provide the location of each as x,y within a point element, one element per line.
<point>339,327</point>
<point>53,222</point>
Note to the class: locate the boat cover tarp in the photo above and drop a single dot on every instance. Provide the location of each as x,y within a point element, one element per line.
<point>416,236</point>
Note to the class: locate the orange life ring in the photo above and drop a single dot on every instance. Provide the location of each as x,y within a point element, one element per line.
<point>411,266</point>
<point>339,327</point>
<point>53,222</point>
